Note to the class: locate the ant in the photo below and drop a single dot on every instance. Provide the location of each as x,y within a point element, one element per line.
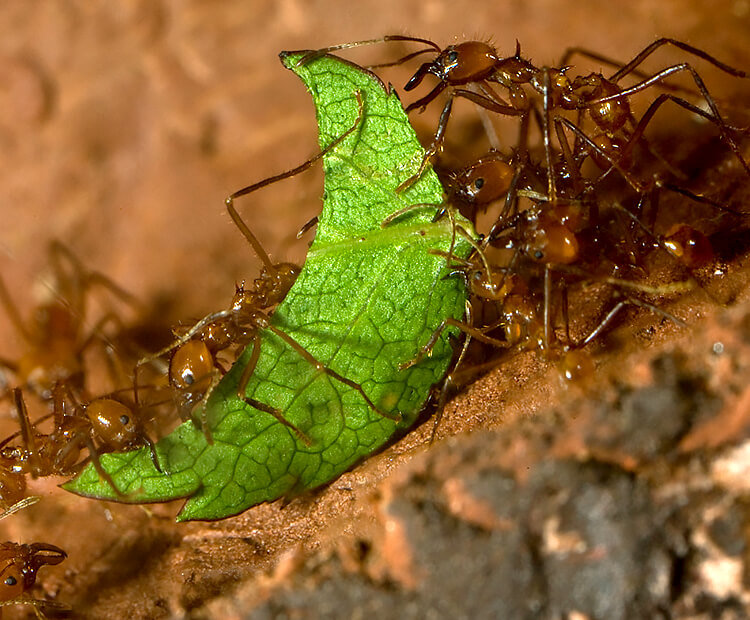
<point>55,338</point>
<point>103,424</point>
<point>19,565</point>
<point>477,65</point>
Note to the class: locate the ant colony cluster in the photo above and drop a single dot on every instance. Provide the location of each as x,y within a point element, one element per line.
<point>572,210</point>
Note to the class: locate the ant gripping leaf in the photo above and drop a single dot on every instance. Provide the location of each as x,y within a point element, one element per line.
<point>367,299</point>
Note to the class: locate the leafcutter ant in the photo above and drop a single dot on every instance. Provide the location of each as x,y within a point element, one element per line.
<point>469,69</point>
<point>103,424</point>
<point>19,565</point>
<point>56,337</point>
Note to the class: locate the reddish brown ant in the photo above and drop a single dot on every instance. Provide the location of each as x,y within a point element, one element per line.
<point>19,565</point>
<point>103,424</point>
<point>477,64</point>
<point>55,337</point>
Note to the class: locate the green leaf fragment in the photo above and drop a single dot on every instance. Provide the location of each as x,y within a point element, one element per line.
<point>366,300</point>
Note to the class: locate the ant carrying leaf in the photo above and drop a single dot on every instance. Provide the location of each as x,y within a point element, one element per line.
<point>367,297</point>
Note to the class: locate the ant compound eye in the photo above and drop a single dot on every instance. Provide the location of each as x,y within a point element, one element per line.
<point>187,377</point>
<point>10,581</point>
<point>124,420</point>
<point>479,183</point>
<point>538,255</point>
<point>452,56</point>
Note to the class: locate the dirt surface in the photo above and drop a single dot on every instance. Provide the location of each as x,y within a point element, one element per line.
<point>122,129</point>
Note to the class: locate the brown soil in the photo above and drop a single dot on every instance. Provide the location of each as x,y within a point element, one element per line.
<point>122,129</point>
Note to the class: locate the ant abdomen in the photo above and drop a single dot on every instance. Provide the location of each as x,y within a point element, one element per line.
<point>689,245</point>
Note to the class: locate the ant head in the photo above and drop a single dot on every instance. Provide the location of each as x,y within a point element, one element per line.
<point>19,565</point>
<point>12,583</point>
<point>191,367</point>
<point>483,182</point>
<point>244,298</point>
<point>610,116</point>
<point>688,244</point>
<point>114,423</point>
<point>458,64</point>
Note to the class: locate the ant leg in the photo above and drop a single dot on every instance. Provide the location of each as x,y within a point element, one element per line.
<point>27,431</point>
<point>615,164</point>
<point>474,332</point>
<point>20,505</point>
<point>312,55</point>
<point>437,141</point>
<point>89,278</point>
<point>239,222</point>
<point>152,448</point>
<point>617,309</point>
<point>449,380</point>
<point>565,314</point>
<point>12,311</point>
<point>489,128</point>
<point>570,162</point>
<point>215,378</point>
<point>648,116</point>
<point>320,367</point>
<point>413,207</point>
<point>97,332</point>
<point>79,279</point>
<point>492,103</point>
<point>72,278</point>
<point>37,604</point>
<point>547,314</point>
<point>307,226</point>
<point>596,57</point>
<point>94,455</point>
<point>717,118</point>
<point>551,189</point>
<point>648,50</point>
<point>247,372</point>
